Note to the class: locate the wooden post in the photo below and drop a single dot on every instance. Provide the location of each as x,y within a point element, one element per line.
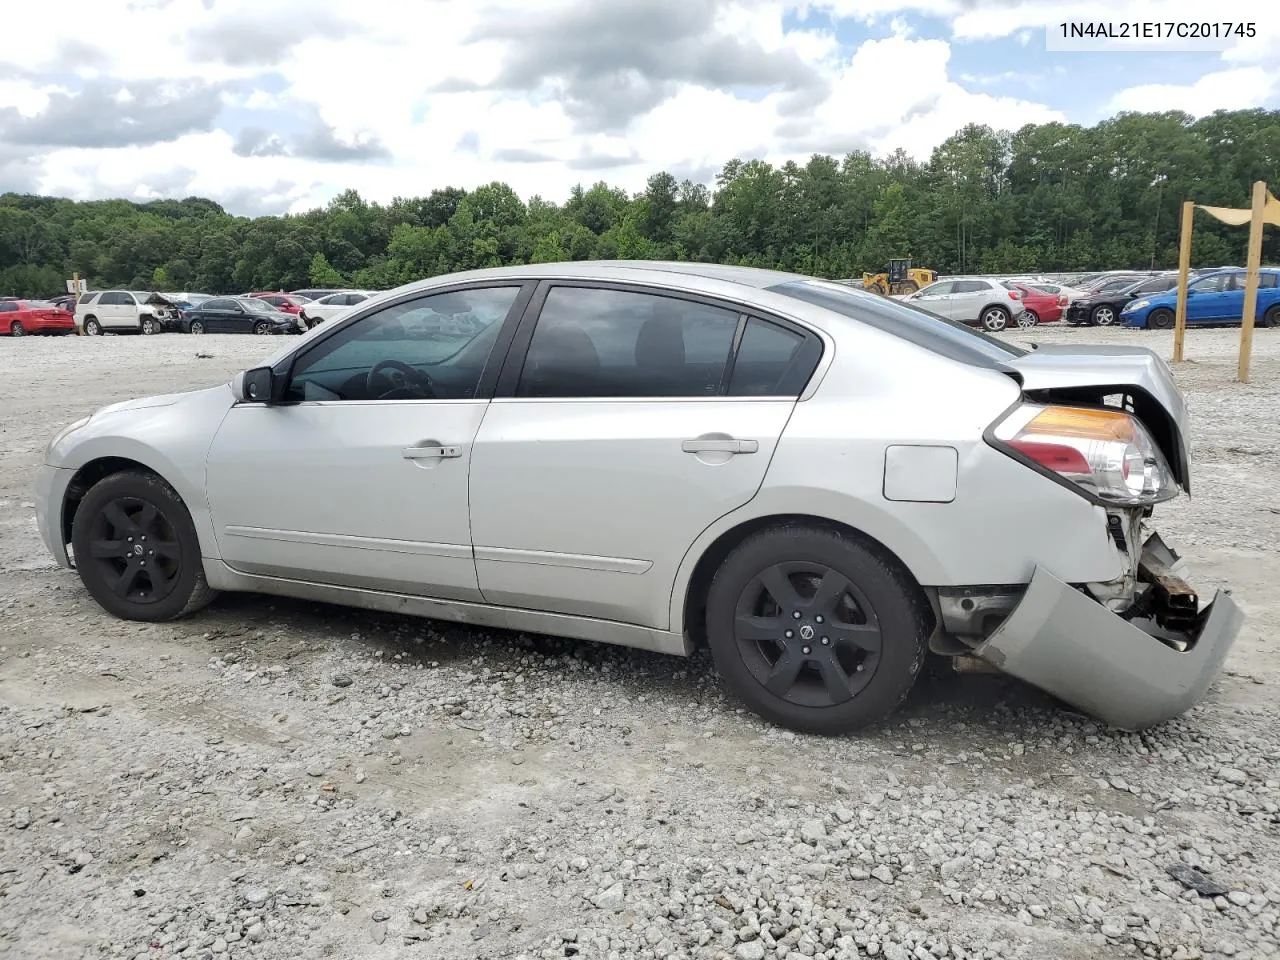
<point>1251,280</point>
<point>75,292</point>
<point>1184,269</point>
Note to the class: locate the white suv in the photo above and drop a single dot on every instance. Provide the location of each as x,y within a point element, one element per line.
<point>122,311</point>
<point>971,300</point>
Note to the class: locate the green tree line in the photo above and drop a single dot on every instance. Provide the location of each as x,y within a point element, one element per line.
<point>1046,197</point>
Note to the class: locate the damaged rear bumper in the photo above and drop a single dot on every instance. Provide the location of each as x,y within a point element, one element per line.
<point>1129,673</point>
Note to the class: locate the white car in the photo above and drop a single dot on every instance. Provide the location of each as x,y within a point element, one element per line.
<point>332,305</point>
<point>971,300</point>
<point>123,311</point>
<point>820,484</point>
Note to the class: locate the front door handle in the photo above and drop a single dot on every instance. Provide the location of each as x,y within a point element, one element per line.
<point>720,446</point>
<point>431,452</point>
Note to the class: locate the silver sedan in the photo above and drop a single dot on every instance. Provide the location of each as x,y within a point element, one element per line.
<point>821,485</point>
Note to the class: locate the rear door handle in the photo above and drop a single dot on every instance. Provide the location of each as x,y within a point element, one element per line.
<point>432,452</point>
<point>720,446</point>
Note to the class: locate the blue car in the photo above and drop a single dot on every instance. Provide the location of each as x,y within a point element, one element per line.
<point>1212,298</point>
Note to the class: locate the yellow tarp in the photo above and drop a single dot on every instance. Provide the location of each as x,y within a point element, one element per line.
<point>1238,218</point>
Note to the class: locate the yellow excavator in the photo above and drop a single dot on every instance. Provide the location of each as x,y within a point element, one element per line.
<point>900,277</point>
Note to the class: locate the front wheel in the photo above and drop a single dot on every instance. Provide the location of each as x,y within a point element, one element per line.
<point>136,549</point>
<point>92,328</point>
<point>1027,319</point>
<point>197,327</point>
<point>1160,319</point>
<point>16,329</point>
<point>995,319</point>
<point>262,328</point>
<point>814,630</point>
<point>1104,316</point>
<point>1271,318</point>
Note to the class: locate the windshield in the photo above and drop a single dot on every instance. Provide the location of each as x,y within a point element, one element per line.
<point>254,305</point>
<point>947,337</point>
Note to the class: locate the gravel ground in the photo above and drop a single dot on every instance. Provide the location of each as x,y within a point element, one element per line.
<point>288,780</point>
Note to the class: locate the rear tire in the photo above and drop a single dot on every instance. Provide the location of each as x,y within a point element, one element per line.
<point>136,549</point>
<point>149,326</point>
<point>1160,319</point>
<point>16,329</point>
<point>1028,319</point>
<point>1103,315</point>
<point>994,319</point>
<point>91,327</point>
<point>817,584</point>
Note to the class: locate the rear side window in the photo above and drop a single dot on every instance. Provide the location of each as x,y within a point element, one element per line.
<point>971,286</point>
<point>1266,280</point>
<point>772,361</point>
<point>116,300</point>
<point>8,306</point>
<point>220,305</point>
<point>617,343</point>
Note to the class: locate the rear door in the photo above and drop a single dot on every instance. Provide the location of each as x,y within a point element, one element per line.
<point>968,298</point>
<point>626,421</point>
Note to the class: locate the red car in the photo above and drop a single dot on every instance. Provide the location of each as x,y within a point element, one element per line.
<point>282,301</point>
<point>1042,306</point>
<point>20,317</point>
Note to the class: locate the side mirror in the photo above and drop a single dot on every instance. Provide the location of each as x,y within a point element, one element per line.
<point>258,385</point>
<point>1191,291</point>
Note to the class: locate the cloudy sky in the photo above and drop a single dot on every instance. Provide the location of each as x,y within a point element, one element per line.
<point>275,105</point>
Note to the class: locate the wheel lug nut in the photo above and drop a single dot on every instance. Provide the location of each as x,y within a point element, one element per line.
<point>806,649</point>
<point>826,641</point>
<point>817,619</point>
<point>795,614</point>
<point>789,634</point>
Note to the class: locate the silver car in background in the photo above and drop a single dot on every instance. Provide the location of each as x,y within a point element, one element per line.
<point>819,484</point>
<point>971,300</point>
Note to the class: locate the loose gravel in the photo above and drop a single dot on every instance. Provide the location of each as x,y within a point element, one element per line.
<point>282,779</point>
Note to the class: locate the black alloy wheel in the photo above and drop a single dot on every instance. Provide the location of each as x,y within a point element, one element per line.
<point>136,549</point>
<point>815,629</point>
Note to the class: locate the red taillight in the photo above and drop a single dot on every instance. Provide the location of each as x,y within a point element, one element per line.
<point>1062,300</point>
<point>1014,295</point>
<point>1058,457</point>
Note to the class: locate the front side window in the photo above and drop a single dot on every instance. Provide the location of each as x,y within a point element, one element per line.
<point>1216,283</point>
<point>616,343</point>
<point>431,348</point>
<point>939,289</point>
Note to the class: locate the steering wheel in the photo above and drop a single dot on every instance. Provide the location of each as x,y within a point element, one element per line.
<point>407,383</point>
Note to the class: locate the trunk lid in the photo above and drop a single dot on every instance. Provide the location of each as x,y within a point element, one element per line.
<point>1089,373</point>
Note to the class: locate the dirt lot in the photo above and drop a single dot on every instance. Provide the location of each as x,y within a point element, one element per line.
<point>279,779</point>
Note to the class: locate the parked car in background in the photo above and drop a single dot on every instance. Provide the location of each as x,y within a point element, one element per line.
<point>184,301</point>
<point>1056,288</point>
<point>238,315</point>
<point>972,301</point>
<point>317,293</point>
<point>282,301</point>
<point>20,317</point>
<point>1040,305</point>
<point>331,305</point>
<point>1102,307</point>
<point>123,311</point>
<point>1212,298</point>
<point>873,482</point>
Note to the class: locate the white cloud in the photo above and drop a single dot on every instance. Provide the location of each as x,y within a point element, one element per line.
<point>1237,89</point>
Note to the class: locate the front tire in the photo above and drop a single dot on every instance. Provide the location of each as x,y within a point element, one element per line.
<point>1103,315</point>
<point>136,549</point>
<point>16,329</point>
<point>1160,320</point>
<point>857,627</point>
<point>262,328</point>
<point>994,319</point>
<point>92,328</point>
<point>197,327</point>
<point>1272,317</point>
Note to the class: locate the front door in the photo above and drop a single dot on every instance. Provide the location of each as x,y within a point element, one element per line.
<point>936,298</point>
<point>360,478</point>
<point>628,427</point>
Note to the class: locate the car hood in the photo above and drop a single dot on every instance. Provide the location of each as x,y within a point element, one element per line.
<point>160,400</point>
<point>1089,373</point>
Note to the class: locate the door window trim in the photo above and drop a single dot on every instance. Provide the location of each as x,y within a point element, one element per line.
<point>492,366</point>
<point>508,380</point>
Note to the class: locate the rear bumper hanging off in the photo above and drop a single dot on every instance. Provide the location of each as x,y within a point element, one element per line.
<point>1130,673</point>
